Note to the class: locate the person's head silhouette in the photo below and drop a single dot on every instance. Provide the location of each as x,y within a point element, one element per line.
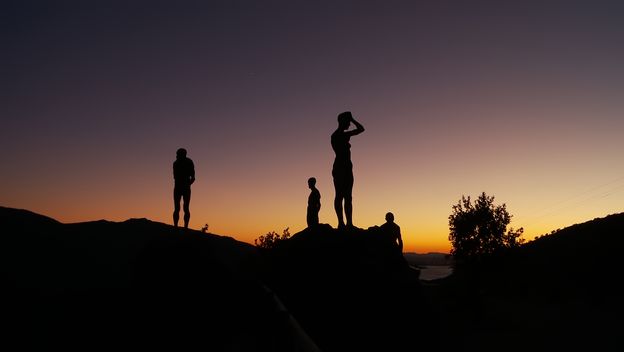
<point>181,153</point>
<point>389,217</point>
<point>344,120</point>
<point>311,182</point>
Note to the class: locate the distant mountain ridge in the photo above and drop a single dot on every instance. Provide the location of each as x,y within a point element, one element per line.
<point>428,259</point>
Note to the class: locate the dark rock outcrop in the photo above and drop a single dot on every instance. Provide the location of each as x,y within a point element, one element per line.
<point>350,291</point>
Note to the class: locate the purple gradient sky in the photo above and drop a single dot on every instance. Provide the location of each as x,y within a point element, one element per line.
<point>523,100</point>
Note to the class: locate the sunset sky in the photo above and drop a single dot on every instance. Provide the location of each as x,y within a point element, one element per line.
<point>523,100</point>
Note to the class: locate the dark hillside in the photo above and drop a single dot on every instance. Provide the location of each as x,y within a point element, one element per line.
<point>27,220</point>
<point>560,291</point>
<point>136,284</point>
<point>146,285</point>
<point>593,249</point>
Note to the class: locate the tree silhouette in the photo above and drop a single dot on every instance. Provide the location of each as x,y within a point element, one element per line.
<point>479,229</point>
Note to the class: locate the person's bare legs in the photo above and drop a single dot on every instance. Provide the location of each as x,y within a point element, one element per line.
<point>186,198</point>
<point>338,201</point>
<point>348,199</point>
<point>348,209</point>
<point>177,196</point>
<point>338,208</point>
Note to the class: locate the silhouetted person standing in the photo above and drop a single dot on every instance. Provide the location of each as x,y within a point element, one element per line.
<point>392,232</point>
<point>342,170</point>
<point>184,176</point>
<point>314,203</point>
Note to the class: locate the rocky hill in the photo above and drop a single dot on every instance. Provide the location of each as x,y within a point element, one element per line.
<point>140,284</point>
<point>351,292</point>
<point>135,284</point>
<point>145,285</point>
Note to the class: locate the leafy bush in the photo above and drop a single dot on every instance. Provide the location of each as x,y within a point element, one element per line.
<point>271,239</point>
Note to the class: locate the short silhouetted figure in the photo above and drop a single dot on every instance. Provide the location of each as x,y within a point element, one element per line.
<point>342,170</point>
<point>392,244</point>
<point>184,176</point>
<point>314,203</point>
<point>392,233</point>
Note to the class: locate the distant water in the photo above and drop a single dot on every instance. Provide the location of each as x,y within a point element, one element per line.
<point>432,272</point>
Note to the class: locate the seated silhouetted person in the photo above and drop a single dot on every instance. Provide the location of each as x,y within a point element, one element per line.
<point>393,243</point>
<point>392,233</point>
<point>184,176</point>
<point>314,203</point>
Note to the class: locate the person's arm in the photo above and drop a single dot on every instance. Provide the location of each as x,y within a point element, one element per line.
<point>358,128</point>
<point>400,240</point>
<point>317,200</point>
<point>192,172</point>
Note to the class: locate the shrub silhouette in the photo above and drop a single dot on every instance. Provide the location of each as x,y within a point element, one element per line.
<point>479,229</point>
<point>271,239</point>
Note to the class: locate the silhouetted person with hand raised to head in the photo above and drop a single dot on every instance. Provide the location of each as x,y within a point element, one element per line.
<point>314,203</point>
<point>342,170</point>
<point>184,176</point>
